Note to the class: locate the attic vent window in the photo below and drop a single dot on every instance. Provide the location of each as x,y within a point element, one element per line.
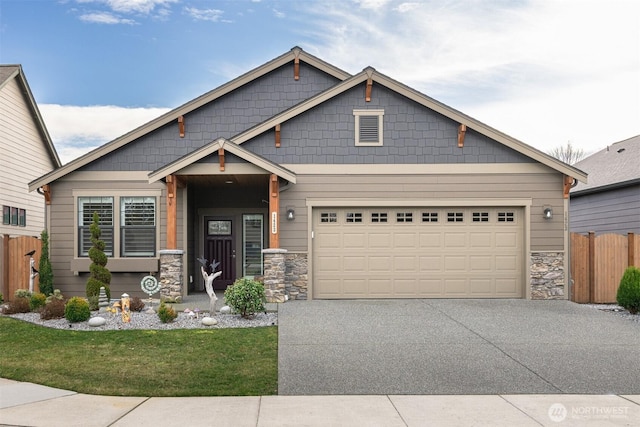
<point>368,127</point>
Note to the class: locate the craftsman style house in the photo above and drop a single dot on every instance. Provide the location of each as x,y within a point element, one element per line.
<point>327,185</point>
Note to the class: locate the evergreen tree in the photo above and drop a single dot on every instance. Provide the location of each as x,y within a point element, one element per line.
<point>99,274</point>
<point>44,266</point>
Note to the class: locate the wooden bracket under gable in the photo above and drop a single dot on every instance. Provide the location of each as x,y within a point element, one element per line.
<point>367,96</point>
<point>46,190</point>
<point>296,68</point>
<point>181,126</point>
<point>278,135</point>
<point>462,130</point>
<point>221,158</point>
<point>568,183</point>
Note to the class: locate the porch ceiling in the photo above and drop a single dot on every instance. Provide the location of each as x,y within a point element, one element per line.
<point>240,180</point>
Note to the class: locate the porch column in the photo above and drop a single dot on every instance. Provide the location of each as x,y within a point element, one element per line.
<point>274,207</point>
<point>172,212</point>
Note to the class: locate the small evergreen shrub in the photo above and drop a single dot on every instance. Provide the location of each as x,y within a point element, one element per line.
<point>1,298</point>
<point>77,310</point>
<point>56,295</point>
<point>245,296</point>
<point>136,304</point>
<point>18,305</point>
<point>99,274</point>
<point>45,271</point>
<point>53,309</point>
<point>166,313</point>
<point>22,293</point>
<point>37,301</point>
<point>93,302</point>
<point>628,295</point>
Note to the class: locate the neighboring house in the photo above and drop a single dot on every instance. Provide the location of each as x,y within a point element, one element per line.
<point>328,185</point>
<point>27,153</point>
<point>610,202</point>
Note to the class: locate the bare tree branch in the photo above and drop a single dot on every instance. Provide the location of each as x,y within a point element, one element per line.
<point>567,153</point>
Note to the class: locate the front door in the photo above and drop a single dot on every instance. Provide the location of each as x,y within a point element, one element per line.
<point>219,246</point>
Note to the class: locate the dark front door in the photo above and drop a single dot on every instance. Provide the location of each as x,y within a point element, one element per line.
<point>219,246</point>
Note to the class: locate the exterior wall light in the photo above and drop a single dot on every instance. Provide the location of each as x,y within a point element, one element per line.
<point>547,213</point>
<point>291,214</point>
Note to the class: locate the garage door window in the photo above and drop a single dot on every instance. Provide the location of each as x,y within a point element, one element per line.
<point>455,217</point>
<point>378,217</point>
<point>429,216</point>
<point>328,217</point>
<point>480,217</point>
<point>506,216</point>
<point>404,217</point>
<point>354,216</point>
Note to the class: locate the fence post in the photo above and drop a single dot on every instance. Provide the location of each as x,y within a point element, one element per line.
<point>592,266</point>
<point>631,249</point>
<point>4,288</point>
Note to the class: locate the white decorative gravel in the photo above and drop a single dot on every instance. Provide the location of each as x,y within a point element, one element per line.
<point>151,321</point>
<point>615,310</point>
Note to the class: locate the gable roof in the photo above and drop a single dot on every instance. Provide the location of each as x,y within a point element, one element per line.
<point>615,166</point>
<point>10,72</point>
<point>347,82</point>
<point>422,99</point>
<point>192,105</point>
<point>213,148</point>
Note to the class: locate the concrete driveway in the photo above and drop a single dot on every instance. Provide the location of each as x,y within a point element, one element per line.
<point>455,347</point>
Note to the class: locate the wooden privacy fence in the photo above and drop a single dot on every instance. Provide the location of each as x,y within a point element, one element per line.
<point>14,265</point>
<point>598,263</point>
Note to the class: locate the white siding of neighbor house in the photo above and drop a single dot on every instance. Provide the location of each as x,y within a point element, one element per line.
<point>23,158</point>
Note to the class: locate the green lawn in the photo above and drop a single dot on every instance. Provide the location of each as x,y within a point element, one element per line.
<point>189,362</point>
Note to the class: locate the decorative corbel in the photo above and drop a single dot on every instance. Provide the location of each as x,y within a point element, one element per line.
<point>278,135</point>
<point>462,130</point>
<point>568,183</point>
<point>367,96</point>
<point>221,158</point>
<point>296,68</point>
<point>181,126</point>
<point>171,189</point>
<point>46,190</point>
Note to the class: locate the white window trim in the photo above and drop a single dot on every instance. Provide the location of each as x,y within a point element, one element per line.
<point>380,114</point>
<point>116,217</point>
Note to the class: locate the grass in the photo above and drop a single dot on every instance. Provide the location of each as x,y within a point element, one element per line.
<point>187,362</point>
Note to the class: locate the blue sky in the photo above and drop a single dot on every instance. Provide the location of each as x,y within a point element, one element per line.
<point>545,72</point>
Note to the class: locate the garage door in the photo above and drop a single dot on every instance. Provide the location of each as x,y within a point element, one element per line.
<point>418,252</point>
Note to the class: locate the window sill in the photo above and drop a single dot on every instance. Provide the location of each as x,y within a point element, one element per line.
<point>118,265</point>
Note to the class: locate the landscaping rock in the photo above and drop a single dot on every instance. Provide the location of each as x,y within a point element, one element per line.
<point>225,309</point>
<point>209,321</point>
<point>97,321</point>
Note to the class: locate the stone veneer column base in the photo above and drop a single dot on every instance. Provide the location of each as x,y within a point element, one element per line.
<point>547,275</point>
<point>297,275</point>
<point>274,273</point>
<point>171,269</point>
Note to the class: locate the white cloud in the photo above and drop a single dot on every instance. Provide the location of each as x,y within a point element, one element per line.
<point>75,130</point>
<point>278,14</point>
<point>105,18</point>
<point>212,15</point>
<point>371,4</point>
<point>132,6</point>
<point>565,66</point>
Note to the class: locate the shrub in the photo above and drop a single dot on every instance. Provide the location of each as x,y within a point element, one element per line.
<point>37,301</point>
<point>93,302</point>
<point>1,298</point>
<point>99,274</point>
<point>628,295</point>
<point>18,305</point>
<point>44,266</point>
<point>166,313</point>
<point>22,293</point>
<point>136,304</point>
<point>77,310</point>
<point>53,309</point>
<point>56,295</point>
<point>245,296</point>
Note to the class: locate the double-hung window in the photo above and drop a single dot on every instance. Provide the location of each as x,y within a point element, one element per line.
<point>87,206</point>
<point>137,226</point>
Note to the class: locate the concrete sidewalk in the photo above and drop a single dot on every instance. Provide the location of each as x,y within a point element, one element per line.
<point>26,404</point>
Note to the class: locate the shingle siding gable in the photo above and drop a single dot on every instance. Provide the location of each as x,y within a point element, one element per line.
<point>227,116</point>
<point>412,134</point>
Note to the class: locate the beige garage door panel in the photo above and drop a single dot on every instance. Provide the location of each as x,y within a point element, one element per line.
<point>418,253</point>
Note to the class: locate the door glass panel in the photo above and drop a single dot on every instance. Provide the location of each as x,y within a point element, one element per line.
<point>252,241</point>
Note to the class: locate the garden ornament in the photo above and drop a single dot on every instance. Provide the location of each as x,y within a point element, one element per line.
<point>209,278</point>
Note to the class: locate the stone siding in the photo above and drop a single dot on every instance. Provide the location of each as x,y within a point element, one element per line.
<point>274,274</point>
<point>296,277</point>
<point>171,269</point>
<point>547,275</point>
